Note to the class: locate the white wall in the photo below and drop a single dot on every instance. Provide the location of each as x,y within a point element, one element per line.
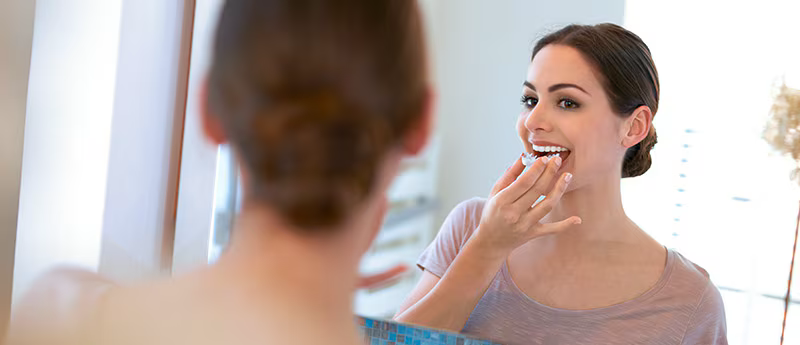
<point>16,38</point>
<point>102,137</point>
<point>193,222</point>
<point>64,164</point>
<point>139,218</point>
<point>481,51</point>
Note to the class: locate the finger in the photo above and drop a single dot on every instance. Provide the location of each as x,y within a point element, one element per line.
<point>540,187</point>
<point>523,183</point>
<point>554,228</point>
<point>373,280</point>
<point>509,176</point>
<point>543,208</point>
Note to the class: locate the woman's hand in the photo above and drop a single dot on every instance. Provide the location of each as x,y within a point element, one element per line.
<point>509,218</point>
<point>384,278</point>
<point>508,221</point>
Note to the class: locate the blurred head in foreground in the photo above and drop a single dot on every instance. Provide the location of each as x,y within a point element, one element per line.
<point>319,101</point>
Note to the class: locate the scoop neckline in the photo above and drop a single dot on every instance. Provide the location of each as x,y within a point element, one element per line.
<point>658,286</point>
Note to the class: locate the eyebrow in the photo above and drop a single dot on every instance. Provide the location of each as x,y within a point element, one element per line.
<point>557,87</point>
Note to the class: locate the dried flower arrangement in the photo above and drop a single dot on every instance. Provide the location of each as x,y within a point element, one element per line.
<point>783,127</point>
<point>783,133</point>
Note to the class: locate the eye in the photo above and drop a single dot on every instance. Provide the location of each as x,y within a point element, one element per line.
<point>566,103</point>
<point>529,102</point>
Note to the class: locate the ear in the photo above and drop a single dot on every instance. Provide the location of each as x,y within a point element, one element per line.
<point>419,135</point>
<point>637,126</point>
<point>212,128</point>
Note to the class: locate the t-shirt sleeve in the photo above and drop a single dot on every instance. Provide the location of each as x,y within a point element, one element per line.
<point>708,325</point>
<point>454,233</point>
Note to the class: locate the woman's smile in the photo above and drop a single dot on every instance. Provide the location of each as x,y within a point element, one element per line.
<point>547,149</point>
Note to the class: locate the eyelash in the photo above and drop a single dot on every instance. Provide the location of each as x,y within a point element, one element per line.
<point>575,105</point>
<point>525,99</point>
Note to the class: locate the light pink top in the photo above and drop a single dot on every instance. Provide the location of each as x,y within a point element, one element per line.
<point>683,307</point>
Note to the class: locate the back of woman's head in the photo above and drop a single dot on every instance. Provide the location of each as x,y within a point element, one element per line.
<point>312,95</point>
<point>627,72</point>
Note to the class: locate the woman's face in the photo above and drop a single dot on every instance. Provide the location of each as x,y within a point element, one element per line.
<point>565,106</point>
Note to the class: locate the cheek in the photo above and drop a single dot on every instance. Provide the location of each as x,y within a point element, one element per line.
<point>522,131</point>
<point>596,145</point>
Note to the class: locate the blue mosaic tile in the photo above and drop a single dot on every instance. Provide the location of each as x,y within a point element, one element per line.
<point>382,332</point>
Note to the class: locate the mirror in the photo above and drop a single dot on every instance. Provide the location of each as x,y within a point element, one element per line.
<point>716,191</point>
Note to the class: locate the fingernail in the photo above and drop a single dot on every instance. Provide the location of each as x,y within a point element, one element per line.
<point>578,221</point>
<point>568,177</point>
<point>558,161</point>
<point>545,159</point>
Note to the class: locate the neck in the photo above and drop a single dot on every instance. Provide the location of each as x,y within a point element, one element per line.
<point>599,205</point>
<point>275,261</point>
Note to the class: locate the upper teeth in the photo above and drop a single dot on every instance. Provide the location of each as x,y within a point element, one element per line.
<point>549,148</point>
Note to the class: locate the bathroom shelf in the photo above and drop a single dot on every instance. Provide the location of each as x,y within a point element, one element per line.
<point>407,230</point>
<point>419,207</point>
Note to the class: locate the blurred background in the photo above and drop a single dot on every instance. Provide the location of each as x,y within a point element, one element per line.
<point>104,165</point>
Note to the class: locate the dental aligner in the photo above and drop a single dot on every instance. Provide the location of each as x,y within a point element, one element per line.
<point>529,157</point>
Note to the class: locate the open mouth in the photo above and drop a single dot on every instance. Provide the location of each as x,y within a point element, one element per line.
<point>545,151</point>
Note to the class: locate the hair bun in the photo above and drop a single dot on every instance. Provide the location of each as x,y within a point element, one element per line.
<point>320,157</point>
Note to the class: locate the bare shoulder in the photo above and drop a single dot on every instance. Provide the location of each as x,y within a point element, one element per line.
<point>58,305</point>
<point>64,290</point>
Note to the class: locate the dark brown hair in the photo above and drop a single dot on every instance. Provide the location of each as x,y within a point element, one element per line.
<point>627,72</point>
<point>312,94</point>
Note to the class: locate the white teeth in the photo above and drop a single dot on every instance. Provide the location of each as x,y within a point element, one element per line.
<point>549,148</point>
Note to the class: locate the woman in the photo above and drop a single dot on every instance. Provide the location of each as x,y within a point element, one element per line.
<point>572,269</point>
<point>320,100</point>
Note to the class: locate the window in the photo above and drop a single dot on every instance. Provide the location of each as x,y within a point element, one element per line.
<point>731,206</point>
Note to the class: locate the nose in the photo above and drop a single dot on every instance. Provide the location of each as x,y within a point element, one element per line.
<point>537,120</point>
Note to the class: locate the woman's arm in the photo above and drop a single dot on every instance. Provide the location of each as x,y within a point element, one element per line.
<point>447,303</point>
<point>508,221</point>
<point>424,286</point>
